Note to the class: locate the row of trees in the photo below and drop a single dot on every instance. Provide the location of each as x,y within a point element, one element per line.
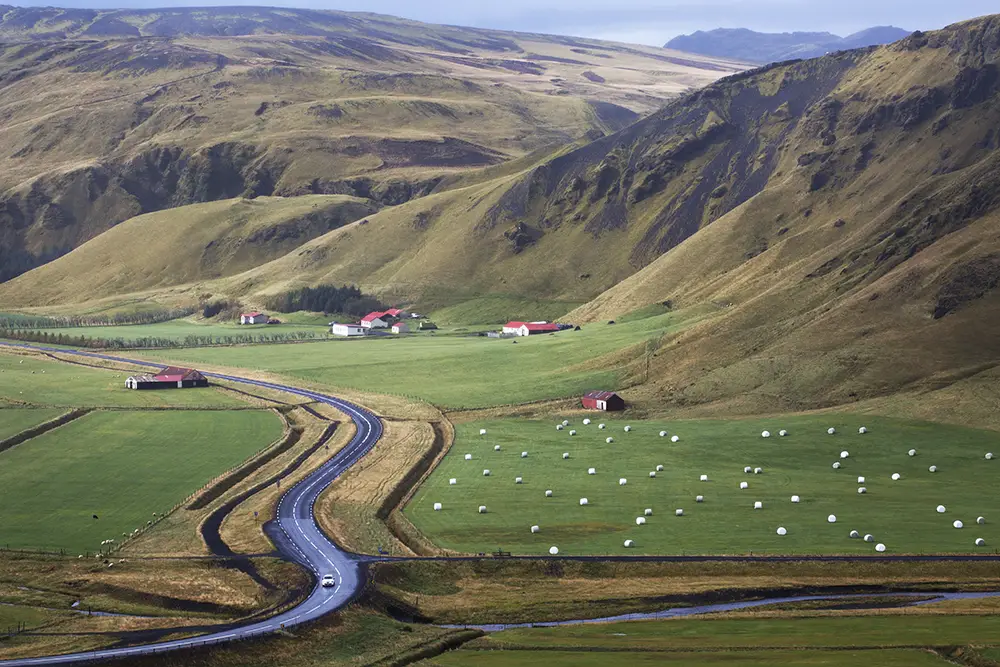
<point>11,322</point>
<point>47,338</point>
<point>325,299</point>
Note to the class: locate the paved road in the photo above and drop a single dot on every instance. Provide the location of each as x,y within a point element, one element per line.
<point>297,535</point>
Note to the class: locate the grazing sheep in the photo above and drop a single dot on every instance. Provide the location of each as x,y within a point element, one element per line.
<point>861,480</point>
<point>663,434</point>
<point>989,456</point>
<point>518,480</point>
<point>565,455</point>
<point>559,427</point>
<point>758,471</point>
<point>586,422</point>
<point>565,422</point>
<point>602,426</point>
<point>482,509</point>
<point>932,469</point>
<point>795,499</point>
<point>640,521</point>
<point>622,481</point>
<point>704,478</point>
<point>862,489</point>
<point>591,471</point>
<point>744,485</point>
<point>896,476</point>
<point>629,544</point>
<point>782,433</point>
<point>468,457</point>
<point>584,501</point>
<point>862,430</point>
<point>844,454</point>
<point>765,434</point>
<point>699,499</point>
<point>482,431</point>
<point>554,551</point>
<point>781,530</point>
<point>678,512</point>
<point>486,473</point>
<point>675,438</point>
<point>572,433</point>
<point>659,468</point>
<point>534,529</point>
<point>453,481</point>
<point>496,448</point>
<point>747,469</point>
<point>437,507</point>
<point>652,473</point>
<point>836,465</point>
<point>524,455</point>
<point>912,452</point>
<point>628,428</point>
<point>609,440</point>
<point>880,547</point>
<point>831,430</point>
<point>548,493</point>
<point>648,512</point>
<point>758,505</point>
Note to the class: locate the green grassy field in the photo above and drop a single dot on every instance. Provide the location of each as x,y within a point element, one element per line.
<point>498,309</point>
<point>901,514</point>
<point>15,420</point>
<point>11,615</point>
<point>47,382</point>
<point>121,466</point>
<point>179,330</point>
<point>458,372</point>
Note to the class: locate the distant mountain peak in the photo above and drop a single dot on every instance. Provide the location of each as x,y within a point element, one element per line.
<point>760,47</point>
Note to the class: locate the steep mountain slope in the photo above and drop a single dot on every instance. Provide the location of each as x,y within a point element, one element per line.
<point>761,47</point>
<point>95,131</point>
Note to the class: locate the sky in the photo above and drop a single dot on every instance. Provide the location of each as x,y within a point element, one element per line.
<point>638,21</point>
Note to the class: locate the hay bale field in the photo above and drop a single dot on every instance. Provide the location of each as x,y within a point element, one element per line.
<point>720,449</point>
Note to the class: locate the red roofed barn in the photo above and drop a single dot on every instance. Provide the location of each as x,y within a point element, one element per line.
<point>529,328</point>
<point>374,321</point>
<point>253,318</point>
<point>168,378</point>
<point>603,400</point>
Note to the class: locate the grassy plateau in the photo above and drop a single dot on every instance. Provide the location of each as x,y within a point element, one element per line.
<point>901,514</point>
<point>121,467</point>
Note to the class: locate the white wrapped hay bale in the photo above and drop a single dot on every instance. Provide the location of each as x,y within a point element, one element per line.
<point>880,547</point>
<point>482,431</point>
<point>869,538</point>
<point>932,469</point>
<point>854,535</point>
<point>747,469</point>
<point>437,507</point>
<point>699,499</point>
<point>704,478</point>
<point>518,480</point>
<point>535,529</point>
<point>548,493</point>
<point>781,531</point>
<point>861,480</point>
<point>591,471</point>
<point>496,448</point>
<point>758,471</point>
<point>524,455</point>
<point>782,433</point>
<point>958,524</point>
<point>602,426</point>
<point>572,433</point>
<point>663,434</point>
<point>584,501</point>
<point>482,509</point>
<point>678,512</point>
<point>941,509</point>
<point>609,440</point>
<point>640,521</point>
<point>896,477</point>
<point>912,452</point>
<point>831,430</point>
<point>862,490</point>
<point>628,428</point>
<point>758,505</point>
<point>675,438</point>
<point>622,481</point>
<point>652,473</point>
<point>629,544</point>
<point>468,457</point>
<point>832,518</point>
<point>765,434</point>
<point>980,542</point>
<point>836,465</point>
<point>795,499</point>
<point>486,473</point>
<point>565,455</point>
<point>659,468</point>
<point>554,551</point>
<point>586,422</point>
<point>989,456</point>
<point>647,512</point>
<point>559,427</point>
<point>981,520</point>
<point>862,430</point>
<point>744,485</point>
<point>453,481</point>
<point>844,454</point>
<point>565,422</point>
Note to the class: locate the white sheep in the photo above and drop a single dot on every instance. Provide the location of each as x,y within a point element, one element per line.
<point>609,440</point>
<point>932,469</point>
<point>572,433</point>
<point>548,493</point>
<point>437,507</point>
<point>565,422</point>
<point>629,544</point>
<point>836,465</point>
<point>534,529</point>
<point>453,481</point>
<point>518,480</point>
<point>678,512</point>
<point>861,480</point>
<point>765,434</point>
<point>699,499</point>
<point>482,509</point>
<point>559,427</point>
<point>602,426</point>
<point>622,481</point>
<point>844,454</point>
<point>744,485</point>
<point>981,520</point>
<point>912,452</point>
<point>747,469</point>
<point>586,422</point>
<point>496,448</point>
<point>648,511</point>
<point>862,489</point>
<point>782,433</point>
<point>652,473</point>
<point>482,431</point>
<point>524,455</point>
<point>659,468</point>
<point>486,473</point>
<point>795,499</point>
<point>758,471</point>
<point>781,530</point>
<point>675,438</point>
<point>704,478</point>
<point>565,455</point>
<point>663,434</point>
<point>758,505</point>
<point>591,471</point>
<point>584,501</point>
<point>628,428</point>
<point>468,457</point>
<point>831,430</point>
<point>989,456</point>
<point>862,430</point>
<point>640,520</point>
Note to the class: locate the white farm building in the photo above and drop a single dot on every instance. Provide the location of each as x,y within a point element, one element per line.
<point>346,330</point>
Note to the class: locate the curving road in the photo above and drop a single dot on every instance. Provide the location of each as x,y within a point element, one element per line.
<point>297,535</point>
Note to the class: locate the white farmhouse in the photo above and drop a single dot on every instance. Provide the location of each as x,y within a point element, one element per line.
<point>346,330</point>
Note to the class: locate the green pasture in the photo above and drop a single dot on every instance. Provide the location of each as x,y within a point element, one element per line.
<point>452,371</point>
<point>12,615</point>
<point>120,466</point>
<point>497,309</point>
<point>15,420</point>
<point>179,330</point>
<point>43,381</point>
<point>901,514</point>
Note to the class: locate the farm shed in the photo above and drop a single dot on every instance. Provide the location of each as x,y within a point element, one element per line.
<point>346,330</point>
<point>427,326</point>
<point>603,400</point>
<point>394,313</point>
<point>374,321</point>
<point>168,378</point>
<point>253,318</point>
<point>400,328</point>
<point>529,328</point>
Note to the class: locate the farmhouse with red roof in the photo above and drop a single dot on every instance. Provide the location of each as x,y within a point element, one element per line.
<point>253,318</point>
<point>603,400</point>
<point>374,320</point>
<point>529,328</point>
<point>169,378</point>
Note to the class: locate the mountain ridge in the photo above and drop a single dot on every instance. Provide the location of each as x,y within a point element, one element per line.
<point>758,47</point>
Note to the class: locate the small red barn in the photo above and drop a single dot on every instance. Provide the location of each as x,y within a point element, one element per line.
<point>169,378</point>
<point>603,400</point>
